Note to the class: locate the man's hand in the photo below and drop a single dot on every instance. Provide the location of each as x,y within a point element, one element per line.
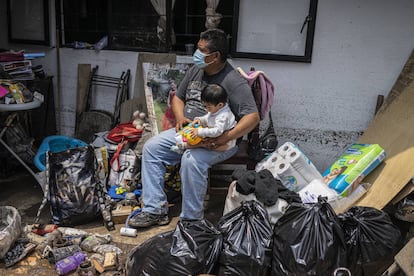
<point>246,124</point>
<point>205,143</point>
<point>178,110</point>
<point>181,123</point>
<point>218,141</point>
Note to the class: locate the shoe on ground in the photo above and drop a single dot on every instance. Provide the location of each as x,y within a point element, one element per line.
<point>145,219</point>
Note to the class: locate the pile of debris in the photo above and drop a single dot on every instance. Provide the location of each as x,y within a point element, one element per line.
<point>66,249</point>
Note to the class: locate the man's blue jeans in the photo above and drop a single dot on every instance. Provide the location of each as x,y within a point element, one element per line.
<point>194,173</point>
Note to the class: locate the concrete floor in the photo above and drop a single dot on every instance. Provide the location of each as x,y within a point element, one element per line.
<point>22,191</point>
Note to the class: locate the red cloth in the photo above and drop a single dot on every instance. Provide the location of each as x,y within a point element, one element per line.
<point>11,56</point>
<point>122,134</point>
<point>168,119</point>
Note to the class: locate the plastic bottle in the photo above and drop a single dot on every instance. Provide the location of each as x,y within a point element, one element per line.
<point>57,254</point>
<point>17,95</point>
<point>69,231</point>
<point>50,237</point>
<point>102,43</point>
<point>90,242</point>
<point>81,45</point>
<point>34,238</point>
<point>129,232</point>
<point>105,248</point>
<point>70,263</point>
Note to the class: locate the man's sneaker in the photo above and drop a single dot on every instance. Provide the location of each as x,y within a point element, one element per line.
<point>145,219</point>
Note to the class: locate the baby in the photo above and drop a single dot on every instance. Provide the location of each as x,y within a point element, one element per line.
<point>218,119</point>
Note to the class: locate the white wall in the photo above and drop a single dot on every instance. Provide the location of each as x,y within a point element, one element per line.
<point>360,47</point>
<point>359,50</point>
<point>110,63</point>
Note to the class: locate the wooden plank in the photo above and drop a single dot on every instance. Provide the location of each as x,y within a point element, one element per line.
<point>393,129</point>
<point>405,258</point>
<point>152,118</point>
<point>110,261</point>
<point>140,84</point>
<point>84,71</point>
<point>408,189</point>
<point>128,107</point>
<point>98,266</point>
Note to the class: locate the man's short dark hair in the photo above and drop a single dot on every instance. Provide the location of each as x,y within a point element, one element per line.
<point>216,42</point>
<point>214,94</point>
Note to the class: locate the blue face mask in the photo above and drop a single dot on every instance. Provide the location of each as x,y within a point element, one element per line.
<point>199,59</point>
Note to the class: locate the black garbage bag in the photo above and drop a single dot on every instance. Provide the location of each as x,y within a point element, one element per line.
<point>371,239</point>
<point>247,238</point>
<point>73,185</point>
<point>308,240</point>
<point>192,249</point>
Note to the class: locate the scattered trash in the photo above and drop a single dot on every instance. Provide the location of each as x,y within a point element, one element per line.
<point>19,251</point>
<point>80,45</point>
<point>86,269</point>
<point>129,232</point>
<point>101,44</point>
<point>405,209</point>
<point>42,229</point>
<point>70,263</point>
<point>58,254</point>
<point>97,262</point>
<point>110,260</point>
<point>105,248</point>
<point>90,242</point>
<point>50,237</point>
<point>10,228</point>
<point>69,231</point>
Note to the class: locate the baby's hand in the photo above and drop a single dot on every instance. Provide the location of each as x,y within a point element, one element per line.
<point>195,122</point>
<point>194,132</point>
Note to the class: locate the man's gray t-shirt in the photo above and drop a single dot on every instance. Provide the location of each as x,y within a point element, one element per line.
<point>240,97</point>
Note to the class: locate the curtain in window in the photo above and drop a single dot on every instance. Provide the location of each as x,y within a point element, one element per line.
<point>161,9</point>
<point>212,17</point>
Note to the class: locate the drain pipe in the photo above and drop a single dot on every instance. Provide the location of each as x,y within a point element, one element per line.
<point>58,105</point>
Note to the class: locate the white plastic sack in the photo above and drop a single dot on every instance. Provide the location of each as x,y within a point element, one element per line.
<point>311,192</point>
<point>10,228</point>
<point>234,200</point>
<point>128,171</point>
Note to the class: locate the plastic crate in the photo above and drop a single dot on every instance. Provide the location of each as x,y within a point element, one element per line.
<point>55,143</point>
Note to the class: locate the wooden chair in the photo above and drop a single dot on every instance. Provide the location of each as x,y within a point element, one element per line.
<point>242,156</point>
